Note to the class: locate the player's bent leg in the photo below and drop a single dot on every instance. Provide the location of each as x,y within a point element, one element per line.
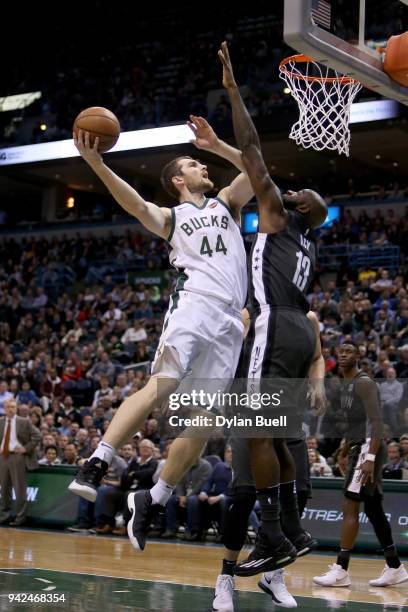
<point>182,455</point>
<point>128,419</point>
<point>394,572</point>
<point>224,594</point>
<point>290,518</point>
<point>233,537</point>
<point>273,584</point>
<point>338,575</point>
<point>272,549</point>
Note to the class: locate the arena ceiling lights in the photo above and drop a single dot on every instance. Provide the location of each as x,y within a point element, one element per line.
<point>18,101</point>
<point>128,141</point>
<point>165,136</point>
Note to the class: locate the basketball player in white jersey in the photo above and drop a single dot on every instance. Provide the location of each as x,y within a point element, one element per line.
<point>202,333</point>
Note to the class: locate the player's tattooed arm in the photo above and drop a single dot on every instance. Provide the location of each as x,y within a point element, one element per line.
<point>154,218</point>
<point>240,191</point>
<point>272,214</point>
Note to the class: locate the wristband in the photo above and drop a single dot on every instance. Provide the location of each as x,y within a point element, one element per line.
<point>370,457</point>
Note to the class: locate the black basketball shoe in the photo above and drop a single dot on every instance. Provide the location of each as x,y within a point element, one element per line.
<point>143,511</point>
<point>89,478</point>
<point>304,543</point>
<point>265,558</point>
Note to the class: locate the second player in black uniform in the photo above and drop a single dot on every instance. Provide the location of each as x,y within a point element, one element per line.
<point>366,452</point>
<point>281,340</point>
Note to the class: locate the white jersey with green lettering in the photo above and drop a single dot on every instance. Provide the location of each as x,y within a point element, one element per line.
<point>208,251</point>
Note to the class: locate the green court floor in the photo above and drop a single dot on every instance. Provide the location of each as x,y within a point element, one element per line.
<point>100,593</point>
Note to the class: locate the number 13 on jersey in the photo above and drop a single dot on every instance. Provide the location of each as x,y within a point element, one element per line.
<point>301,275</point>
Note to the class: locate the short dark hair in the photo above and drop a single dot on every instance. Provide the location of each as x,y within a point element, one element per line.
<point>353,344</point>
<point>173,168</point>
<point>51,446</point>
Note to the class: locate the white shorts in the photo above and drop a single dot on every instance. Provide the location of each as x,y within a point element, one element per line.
<point>201,339</point>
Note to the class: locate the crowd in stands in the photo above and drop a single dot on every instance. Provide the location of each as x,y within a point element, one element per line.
<point>68,357</point>
<point>380,229</point>
<point>154,80</point>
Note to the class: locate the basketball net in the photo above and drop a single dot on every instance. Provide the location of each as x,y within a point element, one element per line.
<point>324,98</point>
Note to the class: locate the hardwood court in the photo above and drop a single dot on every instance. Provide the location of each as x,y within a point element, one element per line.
<point>105,573</point>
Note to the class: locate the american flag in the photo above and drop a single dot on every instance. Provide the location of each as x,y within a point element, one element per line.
<point>321,13</point>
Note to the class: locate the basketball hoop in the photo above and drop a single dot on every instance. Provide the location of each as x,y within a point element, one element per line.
<point>324,98</point>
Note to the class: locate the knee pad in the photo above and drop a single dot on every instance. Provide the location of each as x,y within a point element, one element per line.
<point>236,520</point>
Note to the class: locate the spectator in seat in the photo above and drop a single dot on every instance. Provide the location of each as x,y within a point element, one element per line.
<point>404,446</point>
<point>82,443</point>
<point>70,456</point>
<point>340,465</point>
<point>5,394</point>
<point>395,467</point>
<point>182,503</point>
<point>128,452</point>
<point>135,333</point>
<point>103,367</point>
<point>104,391</point>
<point>50,456</point>
<point>391,391</point>
<point>317,468</point>
<point>27,395</point>
<point>401,367</point>
<point>137,475</point>
<point>213,496</point>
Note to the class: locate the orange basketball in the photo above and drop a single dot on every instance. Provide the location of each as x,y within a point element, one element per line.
<point>101,122</point>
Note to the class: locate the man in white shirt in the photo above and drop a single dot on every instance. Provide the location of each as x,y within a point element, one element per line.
<point>136,333</point>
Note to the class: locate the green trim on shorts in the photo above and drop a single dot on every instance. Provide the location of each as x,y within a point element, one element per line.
<point>175,296</point>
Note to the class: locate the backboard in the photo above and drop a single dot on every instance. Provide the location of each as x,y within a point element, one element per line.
<point>348,36</point>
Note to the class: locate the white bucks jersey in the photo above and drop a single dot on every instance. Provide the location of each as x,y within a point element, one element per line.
<point>208,251</point>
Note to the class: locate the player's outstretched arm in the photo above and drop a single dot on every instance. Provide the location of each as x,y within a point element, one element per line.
<point>157,220</point>
<point>240,191</point>
<point>267,193</point>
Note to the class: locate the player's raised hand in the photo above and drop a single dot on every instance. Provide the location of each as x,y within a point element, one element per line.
<point>89,153</point>
<point>204,136</point>
<point>228,79</point>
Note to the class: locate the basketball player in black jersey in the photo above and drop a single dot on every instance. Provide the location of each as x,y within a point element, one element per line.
<point>366,453</point>
<point>281,340</point>
<point>243,495</point>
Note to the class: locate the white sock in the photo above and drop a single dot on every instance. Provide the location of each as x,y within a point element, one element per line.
<point>104,451</point>
<point>161,492</point>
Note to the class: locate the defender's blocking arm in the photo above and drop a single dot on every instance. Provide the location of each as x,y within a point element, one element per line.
<point>240,191</point>
<point>266,191</point>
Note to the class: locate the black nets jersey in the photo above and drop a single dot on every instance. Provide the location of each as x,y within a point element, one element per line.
<point>281,265</point>
<point>354,413</point>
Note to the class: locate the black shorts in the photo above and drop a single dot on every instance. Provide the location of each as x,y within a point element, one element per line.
<point>242,478</point>
<point>281,343</point>
<point>361,493</point>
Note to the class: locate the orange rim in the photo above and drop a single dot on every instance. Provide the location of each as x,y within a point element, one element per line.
<point>303,59</point>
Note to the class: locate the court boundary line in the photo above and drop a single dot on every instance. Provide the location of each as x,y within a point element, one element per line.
<point>201,586</point>
<point>202,545</point>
